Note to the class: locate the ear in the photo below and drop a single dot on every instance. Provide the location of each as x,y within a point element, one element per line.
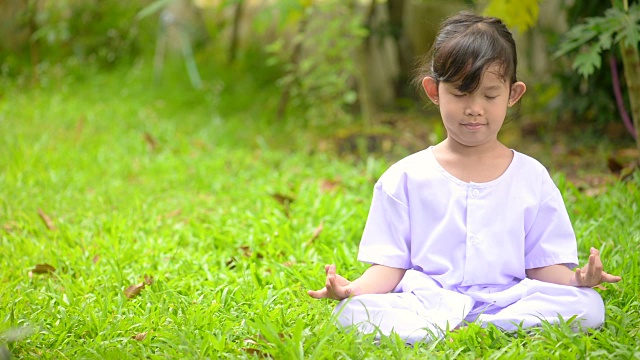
<point>430,87</point>
<point>517,90</point>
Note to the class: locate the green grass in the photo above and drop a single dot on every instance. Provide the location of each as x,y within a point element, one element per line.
<point>182,185</point>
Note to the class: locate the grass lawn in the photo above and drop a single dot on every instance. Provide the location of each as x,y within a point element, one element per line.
<point>113,181</point>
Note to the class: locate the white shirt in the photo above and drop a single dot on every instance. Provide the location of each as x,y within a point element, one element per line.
<point>467,235</point>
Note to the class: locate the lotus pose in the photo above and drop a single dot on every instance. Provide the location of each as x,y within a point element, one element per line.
<point>468,230</point>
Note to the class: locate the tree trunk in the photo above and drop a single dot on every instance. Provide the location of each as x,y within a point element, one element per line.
<point>235,33</point>
<point>631,61</point>
<point>367,107</point>
<point>396,9</point>
<point>34,50</point>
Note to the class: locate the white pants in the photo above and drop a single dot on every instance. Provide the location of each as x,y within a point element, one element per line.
<point>425,312</point>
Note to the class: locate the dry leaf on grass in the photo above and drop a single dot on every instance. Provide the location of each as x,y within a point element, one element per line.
<point>256,352</point>
<point>43,269</point>
<point>40,269</point>
<point>284,200</point>
<point>139,336</point>
<point>148,279</point>
<point>151,141</point>
<point>246,250</point>
<point>316,233</point>
<point>80,126</point>
<point>47,220</point>
<point>134,290</point>
<point>10,226</point>
<point>252,350</point>
<point>170,215</point>
<point>329,185</point>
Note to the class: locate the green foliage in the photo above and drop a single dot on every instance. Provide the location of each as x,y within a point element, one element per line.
<point>520,15</point>
<point>598,34</point>
<point>100,31</point>
<point>319,62</point>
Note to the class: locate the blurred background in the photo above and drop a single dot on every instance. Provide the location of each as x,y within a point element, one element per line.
<point>342,69</point>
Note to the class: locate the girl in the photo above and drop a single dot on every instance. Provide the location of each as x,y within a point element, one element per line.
<point>468,230</point>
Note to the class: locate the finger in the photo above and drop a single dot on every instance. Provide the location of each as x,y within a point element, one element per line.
<point>318,294</point>
<point>329,282</point>
<point>578,276</point>
<point>598,263</point>
<point>591,271</point>
<point>594,251</point>
<point>606,277</point>
<point>339,291</point>
<point>331,269</point>
<point>326,269</point>
<point>333,284</point>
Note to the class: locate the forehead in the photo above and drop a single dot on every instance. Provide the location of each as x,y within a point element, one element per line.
<point>492,79</point>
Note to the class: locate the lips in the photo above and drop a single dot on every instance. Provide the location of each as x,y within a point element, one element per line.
<point>473,126</point>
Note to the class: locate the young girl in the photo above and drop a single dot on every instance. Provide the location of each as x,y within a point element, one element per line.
<point>468,230</point>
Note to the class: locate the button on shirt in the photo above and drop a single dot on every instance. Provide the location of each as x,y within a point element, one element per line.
<point>467,234</point>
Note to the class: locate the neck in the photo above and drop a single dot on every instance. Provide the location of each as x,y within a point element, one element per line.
<point>478,151</point>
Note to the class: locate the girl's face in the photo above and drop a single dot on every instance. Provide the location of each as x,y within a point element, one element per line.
<point>474,119</point>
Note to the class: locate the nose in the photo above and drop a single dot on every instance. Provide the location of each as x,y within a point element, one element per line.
<point>473,108</point>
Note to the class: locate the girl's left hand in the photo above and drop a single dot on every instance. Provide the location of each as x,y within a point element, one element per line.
<point>592,274</point>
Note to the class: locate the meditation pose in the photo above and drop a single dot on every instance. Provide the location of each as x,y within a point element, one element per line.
<point>468,230</point>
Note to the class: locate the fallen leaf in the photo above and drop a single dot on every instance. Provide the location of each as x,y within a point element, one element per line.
<point>134,290</point>
<point>47,220</point>
<point>10,226</point>
<point>95,259</point>
<point>246,250</point>
<point>148,279</point>
<point>140,336</point>
<point>256,352</point>
<point>283,199</point>
<point>171,214</point>
<point>252,350</point>
<point>595,191</point>
<point>151,141</point>
<point>80,126</point>
<point>43,269</point>
<point>316,233</point>
<point>328,185</point>
<point>250,341</point>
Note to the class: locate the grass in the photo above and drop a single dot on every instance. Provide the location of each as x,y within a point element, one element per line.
<point>109,178</point>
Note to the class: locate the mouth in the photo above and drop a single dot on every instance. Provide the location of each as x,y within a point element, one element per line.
<point>473,126</point>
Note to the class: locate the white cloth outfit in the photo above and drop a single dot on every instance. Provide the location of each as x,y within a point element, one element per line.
<point>466,247</point>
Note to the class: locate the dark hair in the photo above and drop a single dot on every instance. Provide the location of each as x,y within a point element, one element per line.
<point>466,45</point>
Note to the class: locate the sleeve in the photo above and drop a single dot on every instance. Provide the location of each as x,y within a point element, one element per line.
<point>551,240</point>
<point>386,236</point>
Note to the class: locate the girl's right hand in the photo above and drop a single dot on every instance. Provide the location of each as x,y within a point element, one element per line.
<point>336,287</point>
